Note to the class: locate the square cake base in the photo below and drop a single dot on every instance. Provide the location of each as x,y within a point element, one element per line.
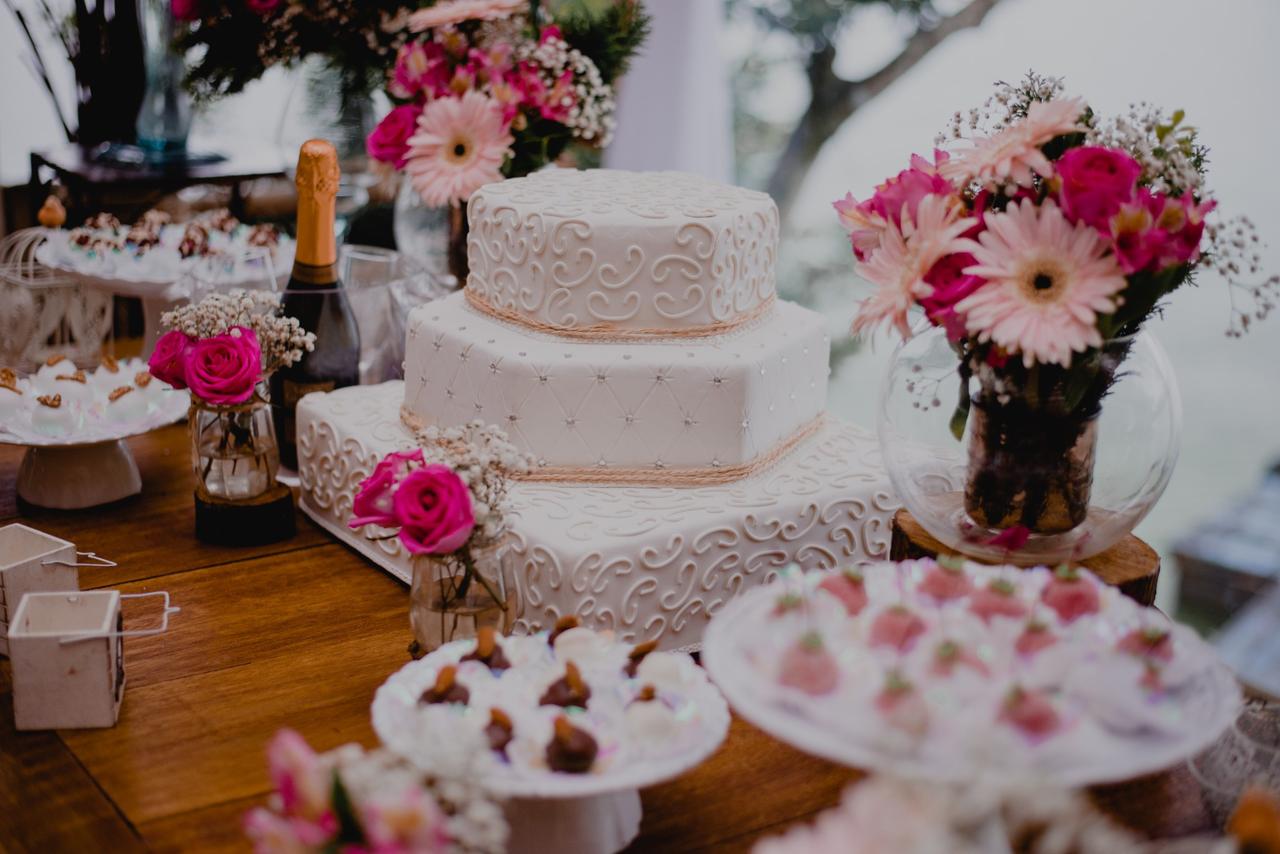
<point>646,562</point>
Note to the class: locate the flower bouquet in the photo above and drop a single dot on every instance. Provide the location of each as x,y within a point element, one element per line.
<point>1038,248</point>
<point>445,502</point>
<point>223,349</point>
<point>354,801</point>
<point>492,89</point>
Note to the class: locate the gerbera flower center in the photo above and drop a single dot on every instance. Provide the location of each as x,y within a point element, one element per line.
<point>1043,281</point>
<point>458,150</point>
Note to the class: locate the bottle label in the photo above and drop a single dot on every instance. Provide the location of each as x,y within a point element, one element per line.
<point>295,391</point>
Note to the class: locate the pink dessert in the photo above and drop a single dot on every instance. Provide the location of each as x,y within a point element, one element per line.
<point>1031,712</point>
<point>786,603</point>
<point>848,587</point>
<point>1151,680</point>
<point>902,706</point>
<point>1148,643</point>
<point>808,667</point>
<point>1071,594</point>
<point>896,627</point>
<point>997,599</point>
<point>1035,637</point>
<point>949,655</point>
<point>945,581</point>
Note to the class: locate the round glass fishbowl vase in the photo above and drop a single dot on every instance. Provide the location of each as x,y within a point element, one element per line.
<point>1049,467</point>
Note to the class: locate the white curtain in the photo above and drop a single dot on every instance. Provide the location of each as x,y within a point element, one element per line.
<point>674,106</point>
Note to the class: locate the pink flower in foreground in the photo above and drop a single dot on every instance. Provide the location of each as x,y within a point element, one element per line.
<point>433,508</point>
<point>460,146</point>
<point>185,10</point>
<point>905,255</point>
<point>168,362</point>
<point>1093,182</point>
<point>900,195</point>
<point>374,503</point>
<point>262,7</point>
<point>1013,154</point>
<point>389,141</point>
<point>302,781</point>
<point>272,833</point>
<point>1047,282</point>
<point>410,822</point>
<point>448,12</point>
<point>421,69</point>
<point>223,370</point>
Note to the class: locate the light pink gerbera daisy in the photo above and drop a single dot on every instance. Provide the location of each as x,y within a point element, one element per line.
<point>1047,282</point>
<point>905,254</point>
<point>459,147</point>
<point>1013,154</point>
<point>448,12</point>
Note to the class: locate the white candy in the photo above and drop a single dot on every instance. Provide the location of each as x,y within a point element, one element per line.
<point>128,408</point>
<point>583,647</point>
<point>12,403</point>
<point>44,377</point>
<point>105,380</point>
<point>73,392</point>
<point>55,421</point>
<point>651,724</point>
<point>665,671</point>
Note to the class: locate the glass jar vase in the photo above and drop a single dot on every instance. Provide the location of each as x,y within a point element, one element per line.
<point>1029,466</point>
<point>453,596</point>
<point>233,449</point>
<point>435,237</point>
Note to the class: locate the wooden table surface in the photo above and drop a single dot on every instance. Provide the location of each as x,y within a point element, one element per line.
<point>300,634</point>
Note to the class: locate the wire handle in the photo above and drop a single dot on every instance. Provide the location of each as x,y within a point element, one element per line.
<point>132,633</point>
<point>91,559</point>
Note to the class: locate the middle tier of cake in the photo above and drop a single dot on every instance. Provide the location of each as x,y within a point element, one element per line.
<point>706,405</point>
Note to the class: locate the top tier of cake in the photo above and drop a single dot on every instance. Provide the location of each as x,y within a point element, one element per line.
<point>632,252</point>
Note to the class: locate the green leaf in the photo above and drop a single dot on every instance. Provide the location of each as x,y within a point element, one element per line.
<point>349,830</point>
<point>1178,116</point>
<point>960,417</point>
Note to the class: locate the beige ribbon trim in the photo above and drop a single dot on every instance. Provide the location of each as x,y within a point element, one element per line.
<point>688,477</point>
<point>608,331</point>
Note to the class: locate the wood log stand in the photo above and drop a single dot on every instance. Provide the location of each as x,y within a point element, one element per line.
<point>269,518</point>
<point>1131,565</point>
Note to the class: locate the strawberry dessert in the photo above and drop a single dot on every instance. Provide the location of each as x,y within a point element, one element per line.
<point>1071,594</point>
<point>902,706</point>
<point>950,655</point>
<point>997,599</point>
<point>946,580</point>
<point>1152,642</point>
<point>848,587</point>
<point>1030,712</point>
<point>897,627</point>
<point>1035,637</point>
<point>808,667</point>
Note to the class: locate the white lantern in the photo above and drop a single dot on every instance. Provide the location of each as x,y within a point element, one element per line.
<point>67,657</point>
<point>31,561</point>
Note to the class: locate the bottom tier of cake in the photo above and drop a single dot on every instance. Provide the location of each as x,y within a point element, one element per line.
<point>647,562</point>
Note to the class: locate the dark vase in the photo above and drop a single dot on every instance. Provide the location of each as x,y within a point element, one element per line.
<point>111,74</point>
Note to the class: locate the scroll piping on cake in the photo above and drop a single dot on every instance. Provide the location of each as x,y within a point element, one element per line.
<point>653,476</point>
<point>608,331</point>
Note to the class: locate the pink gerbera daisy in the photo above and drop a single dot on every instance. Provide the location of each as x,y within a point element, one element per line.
<point>1047,282</point>
<point>1013,154</point>
<point>459,147</point>
<point>448,12</point>
<point>905,254</point>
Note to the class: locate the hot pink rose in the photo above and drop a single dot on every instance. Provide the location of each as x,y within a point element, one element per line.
<point>374,501</point>
<point>433,508</point>
<point>897,196</point>
<point>389,141</point>
<point>224,369</point>
<point>950,285</point>
<point>1095,182</point>
<point>168,362</point>
<point>185,10</point>
<point>262,7</point>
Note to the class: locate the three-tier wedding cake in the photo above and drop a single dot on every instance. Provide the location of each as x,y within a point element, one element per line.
<point>623,328</point>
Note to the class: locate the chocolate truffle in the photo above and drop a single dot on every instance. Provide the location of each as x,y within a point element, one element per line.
<point>499,731</point>
<point>569,690</point>
<point>571,750</point>
<point>447,689</point>
<point>637,654</point>
<point>487,651</point>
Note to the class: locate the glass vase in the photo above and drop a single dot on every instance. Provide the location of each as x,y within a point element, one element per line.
<point>453,596</point>
<point>164,121</point>
<point>435,237</point>
<point>233,449</point>
<point>1049,465</point>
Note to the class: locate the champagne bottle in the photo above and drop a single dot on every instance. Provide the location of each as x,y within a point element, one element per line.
<point>316,297</point>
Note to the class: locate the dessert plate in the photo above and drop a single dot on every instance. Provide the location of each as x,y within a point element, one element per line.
<point>1095,705</point>
<point>396,714</point>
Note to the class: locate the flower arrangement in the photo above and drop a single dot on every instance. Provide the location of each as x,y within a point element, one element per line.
<point>487,89</point>
<point>223,347</point>
<point>357,801</point>
<point>1041,242</point>
<point>446,502</point>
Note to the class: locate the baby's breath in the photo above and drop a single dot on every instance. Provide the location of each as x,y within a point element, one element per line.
<point>483,456</point>
<point>282,340</point>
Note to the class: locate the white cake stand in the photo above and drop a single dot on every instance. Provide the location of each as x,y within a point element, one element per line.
<point>1217,702</point>
<point>549,811</point>
<point>90,468</point>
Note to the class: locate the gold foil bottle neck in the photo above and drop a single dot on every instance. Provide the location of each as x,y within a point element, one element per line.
<point>317,182</point>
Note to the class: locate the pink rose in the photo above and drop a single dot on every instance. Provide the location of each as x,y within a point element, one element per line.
<point>224,369</point>
<point>168,362</point>
<point>900,195</point>
<point>950,285</point>
<point>1095,182</point>
<point>433,508</point>
<point>389,141</point>
<point>185,10</point>
<point>262,7</point>
<point>373,504</point>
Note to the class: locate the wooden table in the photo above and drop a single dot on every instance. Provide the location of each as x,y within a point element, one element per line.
<point>300,634</point>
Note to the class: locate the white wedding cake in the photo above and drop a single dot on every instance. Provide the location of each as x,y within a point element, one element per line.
<point>623,328</point>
